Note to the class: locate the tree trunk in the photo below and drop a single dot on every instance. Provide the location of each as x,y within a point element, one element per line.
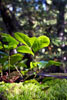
<point>9,20</point>
<point>61,26</point>
<point>60,20</point>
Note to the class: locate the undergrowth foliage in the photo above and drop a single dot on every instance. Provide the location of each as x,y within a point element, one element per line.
<point>28,45</point>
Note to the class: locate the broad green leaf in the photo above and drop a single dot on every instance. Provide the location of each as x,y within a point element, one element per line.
<point>22,64</point>
<point>3,53</point>
<point>11,42</point>
<point>10,46</point>
<point>32,39</point>
<point>33,64</point>
<point>40,42</point>
<point>3,59</point>
<point>1,45</point>
<point>24,72</point>
<point>42,64</point>
<point>46,64</point>
<point>44,41</point>
<point>23,38</point>
<point>36,45</point>
<point>8,38</point>
<point>15,58</point>
<point>25,49</point>
<point>56,63</point>
<point>6,65</point>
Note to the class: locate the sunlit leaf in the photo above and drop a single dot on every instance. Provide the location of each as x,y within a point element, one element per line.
<point>23,38</point>
<point>40,42</point>
<point>3,59</point>
<point>42,64</point>
<point>22,64</point>
<point>32,39</point>
<point>56,63</point>
<point>3,53</point>
<point>24,72</point>
<point>1,45</point>
<point>8,38</point>
<point>15,58</point>
<point>10,46</point>
<point>33,64</point>
<point>11,42</point>
<point>25,49</point>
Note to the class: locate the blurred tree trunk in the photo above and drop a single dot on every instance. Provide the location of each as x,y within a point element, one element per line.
<point>9,20</point>
<point>61,27</point>
<point>60,20</point>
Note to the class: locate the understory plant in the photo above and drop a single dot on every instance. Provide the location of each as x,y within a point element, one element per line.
<point>22,44</point>
<point>28,45</point>
<point>32,46</point>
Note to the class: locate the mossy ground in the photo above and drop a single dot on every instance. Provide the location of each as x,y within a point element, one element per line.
<point>50,90</point>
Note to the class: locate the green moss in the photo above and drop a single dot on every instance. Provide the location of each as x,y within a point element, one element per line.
<point>18,91</point>
<point>57,90</point>
<point>50,90</point>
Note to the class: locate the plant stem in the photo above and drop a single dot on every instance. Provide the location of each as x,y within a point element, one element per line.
<point>1,68</point>
<point>18,71</point>
<point>9,63</point>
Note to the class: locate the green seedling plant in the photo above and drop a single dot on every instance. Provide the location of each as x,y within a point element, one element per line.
<point>33,45</point>
<point>29,45</point>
